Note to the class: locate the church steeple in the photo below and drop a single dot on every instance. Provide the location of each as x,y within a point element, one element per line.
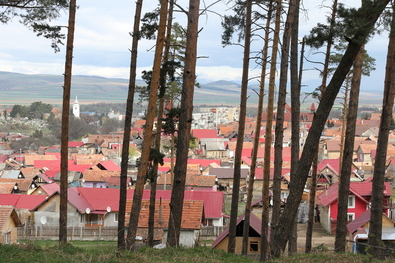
<point>76,108</point>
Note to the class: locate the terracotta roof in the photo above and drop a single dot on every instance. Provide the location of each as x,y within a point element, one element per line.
<point>5,213</point>
<point>6,188</point>
<point>246,145</point>
<point>30,172</point>
<point>98,199</point>
<point>192,214</point>
<point>30,158</point>
<point>99,175</point>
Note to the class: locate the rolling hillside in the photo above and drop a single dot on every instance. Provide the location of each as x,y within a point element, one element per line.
<point>22,89</point>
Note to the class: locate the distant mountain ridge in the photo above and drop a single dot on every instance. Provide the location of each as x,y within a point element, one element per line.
<point>17,88</point>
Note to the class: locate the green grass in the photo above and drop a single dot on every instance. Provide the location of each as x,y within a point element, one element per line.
<point>89,251</point>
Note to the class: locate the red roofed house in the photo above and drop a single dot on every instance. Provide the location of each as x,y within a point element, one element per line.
<point>358,231</point>
<point>191,221</point>
<point>358,202</point>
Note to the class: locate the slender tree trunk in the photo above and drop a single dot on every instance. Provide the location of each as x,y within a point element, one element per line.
<point>65,125</point>
<point>310,222</point>
<point>177,195</point>
<point>247,213</point>
<point>299,176</point>
<point>128,124</point>
<point>146,148</point>
<point>268,137</point>
<point>344,121</point>
<point>381,154</point>
<point>296,80</point>
<point>240,134</point>
<point>279,130</point>
<point>348,150</point>
<point>158,135</point>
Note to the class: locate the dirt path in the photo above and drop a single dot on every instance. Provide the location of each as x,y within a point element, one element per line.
<point>320,236</point>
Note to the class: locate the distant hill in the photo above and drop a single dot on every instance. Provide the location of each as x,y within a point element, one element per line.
<point>16,88</point>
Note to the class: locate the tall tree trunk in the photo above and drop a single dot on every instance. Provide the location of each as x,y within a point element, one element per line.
<point>310,223</point>
<point>296,80</point>
<point>369,15</point>
<point>177,195</point>
<point>240,133</point>
<point>348,150</point>
<point>146,148</point>
<point>65,125</point>
<point>279,130</point>
<point>268,136</point>
<point>128,124</point>
<point>247,213</point>
<point>158,135</point>
<point>382,144</point>
<point>344,120</point>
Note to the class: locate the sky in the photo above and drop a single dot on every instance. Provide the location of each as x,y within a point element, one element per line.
<point>102,44</point>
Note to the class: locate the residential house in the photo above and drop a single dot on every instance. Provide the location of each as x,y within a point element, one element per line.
<point>358,231</point>
<point>225,177</point>
<point>358,202</point>
<point>9,221</point>
<point>254,237</point>
<point>191,222</point>
<point>328,172</point>
<point>98,178</point>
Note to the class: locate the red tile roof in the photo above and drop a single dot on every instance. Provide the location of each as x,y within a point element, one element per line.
<point>204,133</point>
<point>359,189</point>
<point>75,144</point>
<point>22,201</point>
<point>110,165</point>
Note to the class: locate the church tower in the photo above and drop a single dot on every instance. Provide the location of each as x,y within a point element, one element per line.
<point>76,108</point>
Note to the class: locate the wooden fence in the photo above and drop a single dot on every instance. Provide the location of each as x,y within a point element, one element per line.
<point>93,233</point>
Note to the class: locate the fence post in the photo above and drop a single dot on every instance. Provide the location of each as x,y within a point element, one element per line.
<point>81,233</point>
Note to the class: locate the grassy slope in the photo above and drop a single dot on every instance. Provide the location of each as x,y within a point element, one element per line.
<point>102,252</point>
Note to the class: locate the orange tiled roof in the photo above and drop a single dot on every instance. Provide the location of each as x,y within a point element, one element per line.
<point>30,158</point>
<point>99,175</point>
<point>192,214</point>
<point>30,172</point>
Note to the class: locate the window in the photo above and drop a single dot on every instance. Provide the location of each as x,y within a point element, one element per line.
<point>351,201</point>
<point>254,246</point>
<point>350,217</point>
<point>116,217</point>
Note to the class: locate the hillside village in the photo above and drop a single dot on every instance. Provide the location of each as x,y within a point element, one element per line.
<point>29,181</point>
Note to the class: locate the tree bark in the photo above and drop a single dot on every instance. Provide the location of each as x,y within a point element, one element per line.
<point>128,124</point>
<point>158,134</point>
<point>177,195</point>
<point>146,148</point>
<point>247,213</point>
<point>65,125</point>
<point>299,175</point>
<point>279,130</point>
<point>240,134</point>
<point>348,150</point>
<point>295,105</point>
<point>268,137</point>
<point>382,143</point>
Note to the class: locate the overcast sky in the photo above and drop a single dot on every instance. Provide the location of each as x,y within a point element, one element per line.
<point>102,44</point>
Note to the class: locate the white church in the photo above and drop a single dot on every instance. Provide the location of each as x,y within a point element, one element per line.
<point>76,108</point>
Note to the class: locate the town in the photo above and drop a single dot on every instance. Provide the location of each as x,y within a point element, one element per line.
<point>30,178</point>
